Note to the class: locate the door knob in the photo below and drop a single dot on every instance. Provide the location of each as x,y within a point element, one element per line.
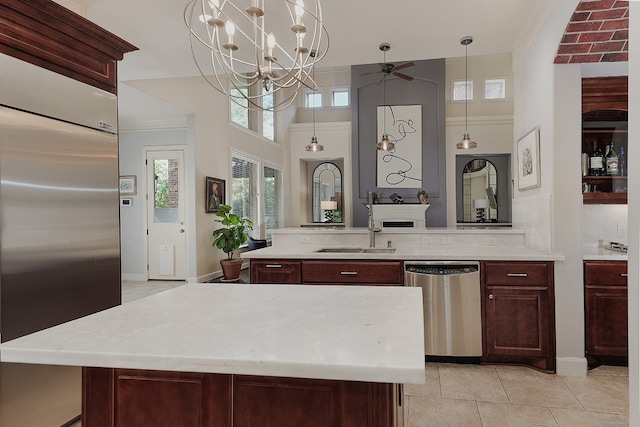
<point>490,296</point>
<point>182,230</point>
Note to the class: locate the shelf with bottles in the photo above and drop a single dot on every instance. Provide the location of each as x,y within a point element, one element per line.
<point>604,178</point>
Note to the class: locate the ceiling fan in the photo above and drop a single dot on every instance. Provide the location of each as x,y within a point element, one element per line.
<point>388,69</point>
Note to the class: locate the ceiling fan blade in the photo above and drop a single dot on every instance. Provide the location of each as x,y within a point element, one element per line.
<point>370,72</point>
<point>405,65</point>
<point>381,80</point>
<point>403,76</point>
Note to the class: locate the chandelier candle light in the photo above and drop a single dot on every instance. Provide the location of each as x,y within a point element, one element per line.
<point>466,142</point>
<point>248,52</point>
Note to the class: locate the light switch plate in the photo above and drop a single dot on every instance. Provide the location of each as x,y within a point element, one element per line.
<point>446,240</point>
<point>491,241</point>
<point>305,239</point>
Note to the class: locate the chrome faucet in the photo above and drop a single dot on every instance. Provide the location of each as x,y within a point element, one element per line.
<point>372,229</point>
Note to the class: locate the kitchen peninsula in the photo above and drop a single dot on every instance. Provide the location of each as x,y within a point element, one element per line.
<point>240,355</point>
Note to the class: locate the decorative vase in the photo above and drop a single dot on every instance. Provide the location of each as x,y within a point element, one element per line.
<point>231,269</point>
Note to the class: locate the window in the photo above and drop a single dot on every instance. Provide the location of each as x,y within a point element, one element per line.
<point>258,200</point>
<point>244,189</point>
<point>261,122</point>
<point>495,88</point>
<point>462,90</point>
<point>312,99</point>
<point>272,199</point>
<point>340,97</point>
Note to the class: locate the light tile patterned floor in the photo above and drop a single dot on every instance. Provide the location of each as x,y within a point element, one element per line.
<point>494,396</point>
<point>506,396</point>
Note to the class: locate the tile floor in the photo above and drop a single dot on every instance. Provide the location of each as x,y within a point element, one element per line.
<point>495,396</point>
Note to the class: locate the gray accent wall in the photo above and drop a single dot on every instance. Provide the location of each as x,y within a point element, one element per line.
<point>426,89</point>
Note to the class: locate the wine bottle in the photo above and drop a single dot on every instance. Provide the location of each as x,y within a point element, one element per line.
<point>622,167</point>
<point>611,161</point>
<point>595,161</point>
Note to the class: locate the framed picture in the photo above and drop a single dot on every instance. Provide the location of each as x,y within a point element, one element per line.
<point>214,194</point>
<point>128,185</point>
<point>529,160</point>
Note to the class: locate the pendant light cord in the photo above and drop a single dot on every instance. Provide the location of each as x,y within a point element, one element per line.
<point>466,87</point>
<point>384,95</point>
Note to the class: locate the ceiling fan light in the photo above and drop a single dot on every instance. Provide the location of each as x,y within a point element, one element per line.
<point>314,145</point>
<point>466,143</point>
<point>384,144</point>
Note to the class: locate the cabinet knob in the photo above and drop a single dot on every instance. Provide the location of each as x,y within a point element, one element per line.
<point>491,296</point>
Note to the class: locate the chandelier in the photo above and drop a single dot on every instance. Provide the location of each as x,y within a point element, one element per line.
<point>258,55</point>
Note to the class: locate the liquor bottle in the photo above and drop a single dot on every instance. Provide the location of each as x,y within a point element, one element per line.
<point>611,161</point>
<point>595,161</point>
<point>622,167</point>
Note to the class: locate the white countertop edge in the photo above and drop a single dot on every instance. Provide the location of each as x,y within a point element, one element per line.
<point>427,230</point>
<point>461,254</point>
<point>596,253</point>
<point>249,367</point>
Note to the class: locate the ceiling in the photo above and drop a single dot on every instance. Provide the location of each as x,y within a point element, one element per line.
<point>416,29</point>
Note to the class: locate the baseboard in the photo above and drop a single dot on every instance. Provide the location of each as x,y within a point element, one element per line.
<point>571,366</point>
<point>134,277</point>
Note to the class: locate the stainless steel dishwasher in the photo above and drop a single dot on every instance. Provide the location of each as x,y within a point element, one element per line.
<point>451,299</point>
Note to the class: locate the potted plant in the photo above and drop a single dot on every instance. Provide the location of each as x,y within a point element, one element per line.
<point>229,238</point>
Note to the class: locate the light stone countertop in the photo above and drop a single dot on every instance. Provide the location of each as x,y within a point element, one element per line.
<point>593,253</point>
<point>356,333</point>
<point>479,253</point>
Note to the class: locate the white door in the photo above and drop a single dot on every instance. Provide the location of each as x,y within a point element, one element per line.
<point>166,237</point>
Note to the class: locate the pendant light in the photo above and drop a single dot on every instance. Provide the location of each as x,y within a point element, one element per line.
<point>314,146</point>
<point>466,142</point>
<point>384,144</point>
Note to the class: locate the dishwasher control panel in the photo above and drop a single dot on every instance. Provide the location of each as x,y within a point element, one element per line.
<point>441,269</point>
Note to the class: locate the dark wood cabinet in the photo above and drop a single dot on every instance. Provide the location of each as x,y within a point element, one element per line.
<point>48,35</point>
<point>604,120</point>
<point>140,398</point>
<point>606,320</point>
<point>518,313</point>
<point>327,272</point>
<point>356,272</point>
<point>284,271</point>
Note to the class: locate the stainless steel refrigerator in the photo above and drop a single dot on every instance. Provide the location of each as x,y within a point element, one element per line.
<point>59,226</point>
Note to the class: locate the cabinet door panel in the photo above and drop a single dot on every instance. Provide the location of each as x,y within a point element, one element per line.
<point>606,326</point>
<point>517,321</point>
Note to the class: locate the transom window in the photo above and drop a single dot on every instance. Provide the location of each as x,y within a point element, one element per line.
<point>495,88</point>
<point>462,90</point>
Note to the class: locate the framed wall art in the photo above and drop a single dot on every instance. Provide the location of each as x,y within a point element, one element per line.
<point>214,194</point>
<point>128,185</point>
<point>529,160</point>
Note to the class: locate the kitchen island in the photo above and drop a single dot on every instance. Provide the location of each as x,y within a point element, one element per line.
<point>240,355</point>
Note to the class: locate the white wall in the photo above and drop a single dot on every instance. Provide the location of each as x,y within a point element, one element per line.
<point>549,96</point>
<point>131,160</point>
<point>634,215</point>
<point>213,138</point>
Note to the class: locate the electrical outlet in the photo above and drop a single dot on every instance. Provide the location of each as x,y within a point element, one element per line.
<point>427,240</point>
<point>446,240</point>
<point>490,241</point>
<point>305,239</point>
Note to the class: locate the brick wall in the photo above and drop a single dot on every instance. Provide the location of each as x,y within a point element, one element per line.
<point>597,32</point>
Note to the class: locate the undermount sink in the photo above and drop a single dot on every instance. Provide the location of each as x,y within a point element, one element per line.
<point>358,250</point>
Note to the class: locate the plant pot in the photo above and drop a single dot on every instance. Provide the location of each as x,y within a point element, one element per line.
<point>231,269</point>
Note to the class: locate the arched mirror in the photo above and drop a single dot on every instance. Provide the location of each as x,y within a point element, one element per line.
<point>479,178</point>
<point>483,187</point>
<point>327,193</point>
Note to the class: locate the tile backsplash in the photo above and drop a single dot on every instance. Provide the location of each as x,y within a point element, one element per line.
<point>604,223</point>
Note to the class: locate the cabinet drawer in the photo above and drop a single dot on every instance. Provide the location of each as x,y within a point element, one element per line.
<point>275,271</point>
<point>517,273</point>
<point>605,273</point>
<point>388,272</point>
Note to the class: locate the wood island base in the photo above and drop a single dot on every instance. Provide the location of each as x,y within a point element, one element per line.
<point>132,398</point>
